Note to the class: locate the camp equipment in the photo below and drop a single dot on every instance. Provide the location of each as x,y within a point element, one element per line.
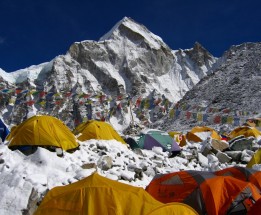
<point>204,131</point>
<point>174,208</point>
<point>242,173</point>
<point>4,131</point>
<point>99,195</point>
<point>246,131</point>
<point>204,191</point>
<point>98,130</point>
<point>178,137</point>
<point>44,131</point>
<point>156,138</point>
<point>256,159</point>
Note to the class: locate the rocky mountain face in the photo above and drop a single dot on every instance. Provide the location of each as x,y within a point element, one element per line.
<point>232,90</point>
<point>235,82</point>
<point>129,61</point>
<point>98,79</point>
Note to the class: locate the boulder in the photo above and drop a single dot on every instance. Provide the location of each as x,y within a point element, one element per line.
<point>105,162</point>
<point>223,157</point>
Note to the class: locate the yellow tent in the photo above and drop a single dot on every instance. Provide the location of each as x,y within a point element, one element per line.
<point>213,133</point>
<point>99,195</point>
<point>175,208</point>
<point>253,122</point>
<point>98,130</point>
<point>245,131</point>
<point>178,137</point>
<point>42,131</point>
<point>256,159</point>
<point>192,137</point>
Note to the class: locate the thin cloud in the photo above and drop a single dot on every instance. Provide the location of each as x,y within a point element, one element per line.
<point>2,40</point>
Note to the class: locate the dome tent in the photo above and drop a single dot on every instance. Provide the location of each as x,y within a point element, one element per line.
<point>174,208</point>
<point>99,195</point>
<point>256,159</point>
<point>155,138</point>
<point>42,131</point>
<point>246,131</point>
<point>204,191</point>
<point>203,130</point>
<point>98,130</point>
<point>242,173</point>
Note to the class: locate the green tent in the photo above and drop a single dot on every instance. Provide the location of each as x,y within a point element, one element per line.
<point>156,138</point>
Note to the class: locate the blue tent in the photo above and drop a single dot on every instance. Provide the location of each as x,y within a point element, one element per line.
<point>3,130</point>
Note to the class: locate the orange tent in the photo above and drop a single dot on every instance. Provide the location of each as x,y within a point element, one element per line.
<point>256,208</point>
<point>204,191</point>
<point>242,173</point>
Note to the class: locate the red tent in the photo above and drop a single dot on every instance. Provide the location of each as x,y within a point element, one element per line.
<point>242,173</point>
<point>204,191</point>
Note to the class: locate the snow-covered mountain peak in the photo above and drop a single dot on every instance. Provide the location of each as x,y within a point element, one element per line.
<point>128,28</point>
<point>6,76</point>
<point>133,62</point>
<point>21,75</point>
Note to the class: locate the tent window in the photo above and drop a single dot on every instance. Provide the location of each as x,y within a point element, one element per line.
<point>173,180</point>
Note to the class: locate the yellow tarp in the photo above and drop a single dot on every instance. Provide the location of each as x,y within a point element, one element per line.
<point>98,130</point>
<point>213,134</point>
<point>192,137</point>
<point>42,131</point>
<point>245,131</point>
<point>175,208</point>
<point>97,195</point>
<point>256,159</point>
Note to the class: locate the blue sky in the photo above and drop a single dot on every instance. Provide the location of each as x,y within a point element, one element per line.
<point>36,31</point>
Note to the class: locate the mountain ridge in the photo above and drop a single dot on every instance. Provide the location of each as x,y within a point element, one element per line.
<point>128,61</point>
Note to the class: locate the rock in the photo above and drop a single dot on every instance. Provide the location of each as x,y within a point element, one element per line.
<point>219,145</point>
<point>206,147</point>
<point>32,203</point>
<point>235,155</point>
<point>2,161</point>
<point>89,166</point>
<point>157,150</point>
<point>138,151</point>
<point>213,146</point>
<point>59,152</point>
<point>213,162</point>
<point>150,172</point>
<point>105,162</point>
<point>203,160</point>
<point>127,175</point>
<point>242,144</point>
<point>223,157</point>
<point>246,156</point>
<point>158,163</point>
